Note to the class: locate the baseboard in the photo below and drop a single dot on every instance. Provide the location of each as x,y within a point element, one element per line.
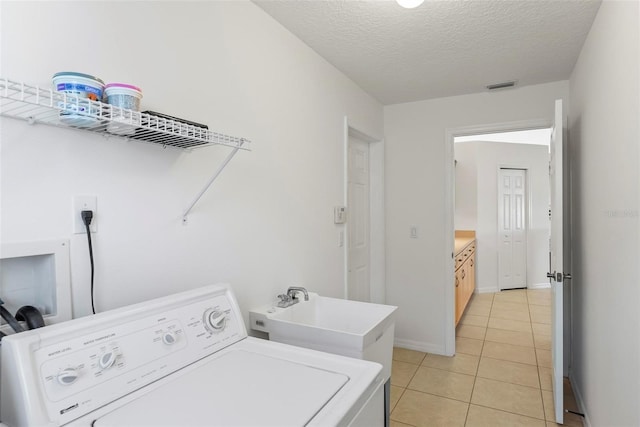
<point>486,289</point>
<point>419,346</point>
<point>579,401</point>
<point>545,285</point>
<point>493,289</point>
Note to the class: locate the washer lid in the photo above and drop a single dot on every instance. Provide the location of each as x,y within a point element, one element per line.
<point>239,388</point>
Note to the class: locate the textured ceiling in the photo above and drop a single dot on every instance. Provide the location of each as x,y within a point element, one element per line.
<point>442,48</point>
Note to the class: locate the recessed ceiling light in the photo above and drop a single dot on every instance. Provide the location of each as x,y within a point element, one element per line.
<point>410,4</point>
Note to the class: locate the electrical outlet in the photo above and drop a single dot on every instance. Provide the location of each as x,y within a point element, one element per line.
<point>413,232</point>
<point>84,203</point>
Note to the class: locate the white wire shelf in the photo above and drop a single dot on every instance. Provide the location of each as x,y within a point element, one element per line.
<point>39,105</point>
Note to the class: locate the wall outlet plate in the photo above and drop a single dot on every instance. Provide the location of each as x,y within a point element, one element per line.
<point>84,203</point>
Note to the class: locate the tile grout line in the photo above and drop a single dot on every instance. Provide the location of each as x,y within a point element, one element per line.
<point>513,361</point>
<point>509,412</point>
<point>440,396</point>
<point>475,377</point>
<point>544,412</point>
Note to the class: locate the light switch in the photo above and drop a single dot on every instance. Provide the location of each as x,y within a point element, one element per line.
<point>413,232</point>
<point>339,214</point>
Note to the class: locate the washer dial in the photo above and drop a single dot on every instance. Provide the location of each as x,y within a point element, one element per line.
<point>107,359</point>
<point>215,320</point>
<point>169,338</point>
<point>67,376</point>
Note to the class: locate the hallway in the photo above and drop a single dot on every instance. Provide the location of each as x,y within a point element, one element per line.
<point>500,375</point>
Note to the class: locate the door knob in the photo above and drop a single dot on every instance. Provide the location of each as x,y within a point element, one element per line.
<point>558,277</point>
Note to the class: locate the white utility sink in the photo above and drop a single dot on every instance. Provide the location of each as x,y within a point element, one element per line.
<point>350,328</point>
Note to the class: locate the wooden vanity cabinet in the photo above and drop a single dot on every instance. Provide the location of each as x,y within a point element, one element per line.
<point>465,273</point>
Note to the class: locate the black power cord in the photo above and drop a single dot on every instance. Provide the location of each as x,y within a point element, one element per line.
<point>87,216</point>
<point>8,317</point>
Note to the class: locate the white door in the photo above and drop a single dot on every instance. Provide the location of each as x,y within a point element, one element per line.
<point>556,248</point>
<point>358,283</point>
<point>512,232</point>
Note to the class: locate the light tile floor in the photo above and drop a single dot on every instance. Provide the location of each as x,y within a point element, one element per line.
<point>500,375</point>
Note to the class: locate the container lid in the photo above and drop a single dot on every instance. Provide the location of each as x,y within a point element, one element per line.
<point>74,74</point>
<point>122,85</point>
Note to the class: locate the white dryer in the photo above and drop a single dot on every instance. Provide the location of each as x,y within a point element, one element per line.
<point>182,360</point>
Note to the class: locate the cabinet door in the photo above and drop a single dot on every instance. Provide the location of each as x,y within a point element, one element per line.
<point>472,273</point>
<point>459,296</point>
<point>464,284</point>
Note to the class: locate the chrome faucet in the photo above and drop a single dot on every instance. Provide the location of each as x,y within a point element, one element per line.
<point>295,289</point>
<point>288,299</point>
<point>285,301</point>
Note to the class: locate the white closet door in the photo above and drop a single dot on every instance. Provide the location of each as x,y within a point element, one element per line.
<point>358,279</point>
<point>512,230</point>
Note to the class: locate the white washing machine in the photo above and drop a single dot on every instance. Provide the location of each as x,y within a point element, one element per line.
<point>182,360</point>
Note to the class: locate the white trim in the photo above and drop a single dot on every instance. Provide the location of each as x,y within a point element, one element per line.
<point>579,401</point>
<point>345,202</point>
<point>420,346</point>
<point>377,254</point>
<point>449,239</point>
<point>501,127</point>
<point>545,285</point>
<point>449,205</point>
<point>486,290</point>
<point>376,208</point>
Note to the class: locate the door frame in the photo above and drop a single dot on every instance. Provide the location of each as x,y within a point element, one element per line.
<point>377,271</point>
<point>449,208</point>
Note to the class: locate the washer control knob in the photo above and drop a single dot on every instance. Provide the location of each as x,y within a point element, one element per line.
<point>169,338</point>
<point>68,376</point>
<point>215,320</point>
<point>107,360</point>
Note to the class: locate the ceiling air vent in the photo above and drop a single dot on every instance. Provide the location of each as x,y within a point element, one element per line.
<point>503,85</point>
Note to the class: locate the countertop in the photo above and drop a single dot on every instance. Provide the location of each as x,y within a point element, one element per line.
<point>462,239</point>
<point>461,243</point>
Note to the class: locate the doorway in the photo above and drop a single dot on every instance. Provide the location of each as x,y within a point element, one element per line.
<point>502,194</point>
<point>472,191</point>
<point>560,329</point>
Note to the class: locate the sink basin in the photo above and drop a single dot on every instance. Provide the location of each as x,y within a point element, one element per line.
<point>350,328</point>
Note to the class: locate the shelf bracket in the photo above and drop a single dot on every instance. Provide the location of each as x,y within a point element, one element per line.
<point>208,184</point>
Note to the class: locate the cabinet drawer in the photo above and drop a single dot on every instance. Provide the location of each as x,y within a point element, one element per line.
<point>464,254</point>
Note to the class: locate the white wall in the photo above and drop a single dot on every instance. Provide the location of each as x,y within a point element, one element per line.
<point>488,159</point>
<point>603,137</point>
<point>266,223</point>
<point>466,187</point>
<point>415,174</point>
